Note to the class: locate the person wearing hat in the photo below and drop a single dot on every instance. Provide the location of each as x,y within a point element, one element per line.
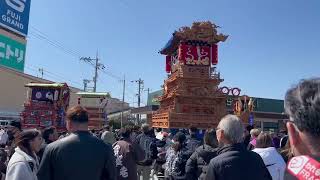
<point>14,129</point>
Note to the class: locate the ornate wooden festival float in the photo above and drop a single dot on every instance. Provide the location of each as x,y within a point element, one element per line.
<point>191,93</point>
<point>46,106</point>
<point>95,103</point>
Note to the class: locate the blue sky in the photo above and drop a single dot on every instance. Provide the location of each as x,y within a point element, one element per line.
<point>272,43</point>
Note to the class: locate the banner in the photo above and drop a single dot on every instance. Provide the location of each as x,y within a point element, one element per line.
<point>12,53</point>
<point>15,15</point>
<point>194,55</point>
<point>44,94</point>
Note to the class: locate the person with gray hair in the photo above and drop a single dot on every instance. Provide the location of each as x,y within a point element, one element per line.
<point>234,161</point>
<point>302,104</point>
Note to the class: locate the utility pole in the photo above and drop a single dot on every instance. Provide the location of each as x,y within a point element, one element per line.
<point>41,71</point>
<point>123,93</point>
<point>140,87</point>
<point>85,84</point>
<point>148,91</point>
<point>97,66</point>
<point>95,74</point>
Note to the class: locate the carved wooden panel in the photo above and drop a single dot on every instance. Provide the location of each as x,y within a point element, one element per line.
<point>194,71</point>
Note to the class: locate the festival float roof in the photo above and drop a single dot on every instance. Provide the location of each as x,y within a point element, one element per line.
<point>93,94</point>
<point>200,32</point>
<point>48,85</point>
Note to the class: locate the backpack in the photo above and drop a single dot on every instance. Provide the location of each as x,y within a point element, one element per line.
<point>150,149</point>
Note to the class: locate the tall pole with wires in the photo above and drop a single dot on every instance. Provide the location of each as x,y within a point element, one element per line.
<point>41,72</point>
<point>148,91</point>
<point>97,66</point>
<point>85,84</point>
<point>96,74</point>
<point>123,93</point>
<point>140,85</point>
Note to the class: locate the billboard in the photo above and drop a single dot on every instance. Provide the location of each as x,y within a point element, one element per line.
<point>12,53</point>
<point>15,15</point>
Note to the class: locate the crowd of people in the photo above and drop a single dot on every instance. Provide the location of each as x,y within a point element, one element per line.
<point>230,151</point>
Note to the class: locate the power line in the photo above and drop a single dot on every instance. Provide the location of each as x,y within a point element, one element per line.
<point>46,37</point>
<point>36,33</point>
<point>74,53</point>
<point>54,76</point>
<point>62,48</point>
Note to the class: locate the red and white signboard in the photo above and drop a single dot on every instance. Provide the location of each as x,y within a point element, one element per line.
<point>304,167</point>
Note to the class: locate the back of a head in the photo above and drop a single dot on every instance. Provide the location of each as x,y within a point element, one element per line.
<point>210,138</point>
<point>193,130</point>
<point>125,132</point>
<point>302,104</point>
<point>77,114</point>
<point>15,124</point>
<point>47,131</point>
<point>106,128</point>
<point>24,138</point>
<point>255,132</point>
<point>179,140</point>
<point>232,128</point>
<point>145,128</point>
<point>264,140</point>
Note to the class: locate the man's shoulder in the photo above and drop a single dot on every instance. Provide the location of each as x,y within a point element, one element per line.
<point>73,139</point>
<point>233,154</point>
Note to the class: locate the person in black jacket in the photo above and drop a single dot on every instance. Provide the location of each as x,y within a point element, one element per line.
<point>192,142</point>
<point>147,142</point>
<point>202,156</point>
<point>176,158</point>
<point>234,161</point>
<point>80,155</point>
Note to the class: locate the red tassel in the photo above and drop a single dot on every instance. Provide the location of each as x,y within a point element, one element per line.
<point>214,54</point>
<point>168,64</point>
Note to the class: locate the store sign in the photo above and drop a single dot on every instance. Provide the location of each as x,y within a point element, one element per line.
<point>12,53</point>
<point>15,15</point>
